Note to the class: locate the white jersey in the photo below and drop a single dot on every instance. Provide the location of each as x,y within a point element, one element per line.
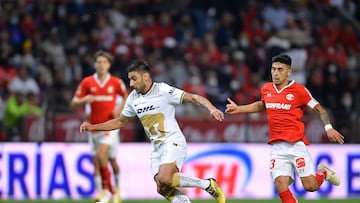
<point>156,111</point>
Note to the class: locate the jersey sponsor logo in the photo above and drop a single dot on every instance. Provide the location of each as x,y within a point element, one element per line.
<point>290,97</point>
<point>278,106</point>
<point>300,162</point>
<point>103,98</point>
<point>145,109</point>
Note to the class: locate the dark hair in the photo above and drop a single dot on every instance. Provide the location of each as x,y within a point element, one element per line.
<point>139,65</point>
<point>282,58</point>
<point>105,54</point>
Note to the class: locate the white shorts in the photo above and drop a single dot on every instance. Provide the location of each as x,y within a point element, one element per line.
<point>110,138</point>
<point>170,151</point>
<point>286,158</point>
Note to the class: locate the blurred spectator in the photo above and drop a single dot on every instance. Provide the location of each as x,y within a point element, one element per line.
<point>54,49</point>
<point>345,114</point>
<point>17,107</point>
<point>117,17</point>
<point>73,69</point>
<point>60,94</point>
<point>275,15</point>
<point>23,82</point>
<point>299,57</point>
<point>226,31</point>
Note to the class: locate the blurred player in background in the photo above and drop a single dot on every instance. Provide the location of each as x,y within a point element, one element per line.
<point>100,91</point>
<point>284,101</point>
<point>154,104</point>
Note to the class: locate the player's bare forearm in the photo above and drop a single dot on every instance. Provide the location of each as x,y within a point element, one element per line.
<point>323,114</point>
<point>233,108</point>
<point>76,102</point>
<point>112,124</point>
<point>108,125</point>
<point>198,100</point>
<point>205,103</point>
<point>333,135</point>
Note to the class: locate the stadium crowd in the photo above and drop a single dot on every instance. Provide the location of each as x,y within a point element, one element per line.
<point>218,49</point>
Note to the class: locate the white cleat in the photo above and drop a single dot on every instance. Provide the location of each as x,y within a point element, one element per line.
<point>331,176</point>
<point>103,197</point>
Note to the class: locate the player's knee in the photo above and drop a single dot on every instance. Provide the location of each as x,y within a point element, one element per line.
<point>164,181</point>
<point>310,187</point>
<point>281,184</point>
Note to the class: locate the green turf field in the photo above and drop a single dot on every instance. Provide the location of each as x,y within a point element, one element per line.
<point>194,201</point>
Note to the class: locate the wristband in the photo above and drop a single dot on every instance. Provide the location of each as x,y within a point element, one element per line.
<point>328,127</point>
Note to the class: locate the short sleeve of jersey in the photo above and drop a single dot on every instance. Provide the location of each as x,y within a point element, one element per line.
<point>81,90</point>
<point>310,101</point>
<point>128,109</point>
<point>173,94</point>
<point>122,89</point>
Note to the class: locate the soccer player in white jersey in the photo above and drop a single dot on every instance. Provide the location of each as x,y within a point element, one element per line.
<point>284,101</point>
<point>154,104</point>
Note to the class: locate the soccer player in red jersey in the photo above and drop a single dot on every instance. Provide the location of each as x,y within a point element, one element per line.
<point>100,91</point>
<point>284,101</point>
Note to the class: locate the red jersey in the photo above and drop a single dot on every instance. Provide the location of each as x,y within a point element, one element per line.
<point>104,96</point>
<point>285,109</point>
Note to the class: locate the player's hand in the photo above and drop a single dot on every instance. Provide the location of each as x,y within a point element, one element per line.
<point>89,98</point>
<point>230,107</point>
<point>217,114</point>
<point>335,136</point>
<point>85,126</point>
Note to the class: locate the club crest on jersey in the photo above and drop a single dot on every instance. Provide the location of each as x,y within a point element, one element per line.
<point>290,97</point>
<point>145,109</point>
<point>110,89</point>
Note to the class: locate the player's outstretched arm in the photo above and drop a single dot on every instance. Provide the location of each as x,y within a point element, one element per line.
<point>112,124</point>
<point>333,135</point>
<point>233,108</point>
<point>200,100</point>
<point>76,101</point>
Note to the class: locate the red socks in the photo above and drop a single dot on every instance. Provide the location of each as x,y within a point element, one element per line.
<point>106,178</point>
<point>287,197</point>
<point>320,176</point>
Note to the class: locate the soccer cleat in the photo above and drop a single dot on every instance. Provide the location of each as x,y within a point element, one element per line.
<point>116,198</point>
<point>215,191</point>
<point>330,175</point>
<point>103,197</point>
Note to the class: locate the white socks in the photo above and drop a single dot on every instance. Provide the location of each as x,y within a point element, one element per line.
<point>189,181</point>
<point>98,184</point>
